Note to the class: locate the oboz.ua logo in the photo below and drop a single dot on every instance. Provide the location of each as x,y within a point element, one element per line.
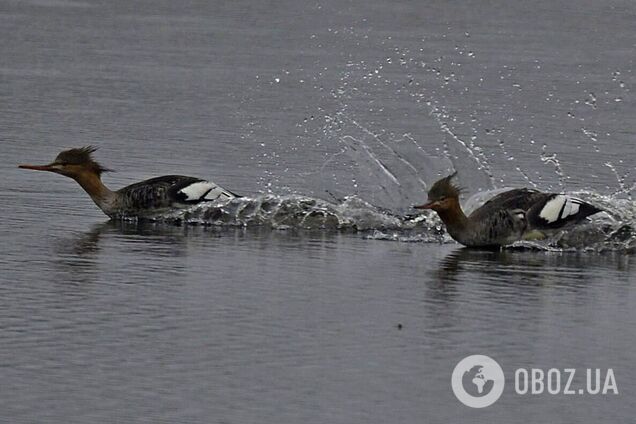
<point>478,381</point>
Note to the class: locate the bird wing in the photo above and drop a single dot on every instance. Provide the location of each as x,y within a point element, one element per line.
<point>520,198</point>
<point>543,211</point>
<point>165,191</point>
<point>558,210</point>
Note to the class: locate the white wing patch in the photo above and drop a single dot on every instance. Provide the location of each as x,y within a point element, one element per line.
<point>560,207</point>
<point>571,207</point>
<point>218,193</point>
<point>205,191</point>
<point>196,191</point>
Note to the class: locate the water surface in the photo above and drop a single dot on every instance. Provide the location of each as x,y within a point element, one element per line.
<point>297,103</point>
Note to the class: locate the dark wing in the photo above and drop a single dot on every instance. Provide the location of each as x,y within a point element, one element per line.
<point>520,198</point>
<point>165,191</point>
<point>543,210</point>
<point>558,210</point>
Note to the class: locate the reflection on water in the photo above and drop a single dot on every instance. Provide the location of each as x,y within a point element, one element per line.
<point>516,283</point>
<point>77,257</point>
<point>528,267</point>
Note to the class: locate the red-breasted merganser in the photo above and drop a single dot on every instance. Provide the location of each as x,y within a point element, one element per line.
<point>137,200</point>
<point>519,214</point>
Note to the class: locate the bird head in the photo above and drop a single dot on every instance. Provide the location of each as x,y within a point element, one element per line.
<point>72,163</point>
<point>442,195</point>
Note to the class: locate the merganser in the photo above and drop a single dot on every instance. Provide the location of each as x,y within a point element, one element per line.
<point>141,199</point>
<point>519,214</point>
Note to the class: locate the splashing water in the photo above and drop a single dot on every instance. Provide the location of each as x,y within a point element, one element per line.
<point>298,212</point>
<point>613,230</point>
<point>364,125</point>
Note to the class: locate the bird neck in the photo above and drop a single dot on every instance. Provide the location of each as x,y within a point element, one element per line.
<point>453,217</point>
<point>93,185</point>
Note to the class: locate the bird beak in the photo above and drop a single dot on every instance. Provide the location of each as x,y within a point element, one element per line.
<point>38,167</point>
<point>428,205</point>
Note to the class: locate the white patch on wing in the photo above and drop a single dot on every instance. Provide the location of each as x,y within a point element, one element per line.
<point>571,207</point>
<point>217,193</point>
<point>205,191</point>
<point>552,208</point>
<point>560,207</point>
<point>197,190</point>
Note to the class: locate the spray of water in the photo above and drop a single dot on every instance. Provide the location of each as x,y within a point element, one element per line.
<point>392,170</point>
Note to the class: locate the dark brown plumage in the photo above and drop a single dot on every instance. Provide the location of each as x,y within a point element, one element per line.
<point>81,156</point>
<point>444,188</point>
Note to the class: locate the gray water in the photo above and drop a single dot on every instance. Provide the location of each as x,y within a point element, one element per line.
<point>318,298</point>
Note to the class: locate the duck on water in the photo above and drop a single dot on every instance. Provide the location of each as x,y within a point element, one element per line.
<point>519,214</point>
<point>141,199</point>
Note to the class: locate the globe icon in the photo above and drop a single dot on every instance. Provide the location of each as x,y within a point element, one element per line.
<point>476,382</point>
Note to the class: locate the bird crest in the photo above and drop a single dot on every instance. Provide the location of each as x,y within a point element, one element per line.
<point>445,188</point>
<point>81,156</point>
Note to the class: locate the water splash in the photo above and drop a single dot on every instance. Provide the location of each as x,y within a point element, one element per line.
<point>395,167</point>
<point>552,159</point>
<point>593,137</point>
<point>613,230</point>
<point>297,212</point>
<point>366,133</point>
<point>621,180</point>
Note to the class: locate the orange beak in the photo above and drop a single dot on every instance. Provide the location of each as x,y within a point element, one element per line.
<point>37,167</point>
<point>428,205</point>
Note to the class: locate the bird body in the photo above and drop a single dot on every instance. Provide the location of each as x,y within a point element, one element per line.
<point>141,199</point>
<point>518,214</point>
<point>168,191</point>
